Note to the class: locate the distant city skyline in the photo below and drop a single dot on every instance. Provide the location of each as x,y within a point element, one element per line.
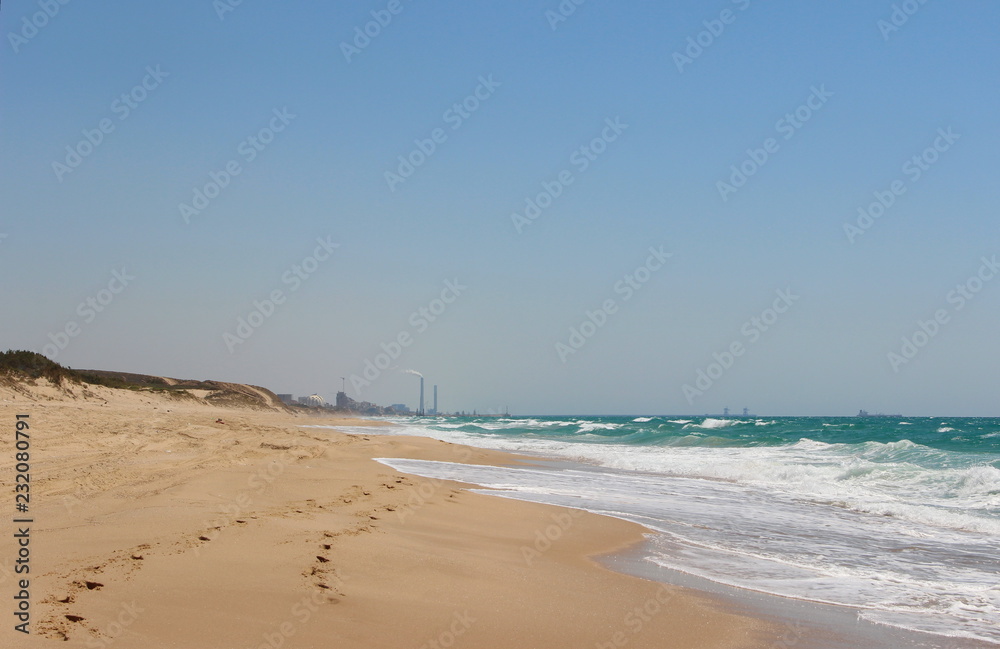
<point>556,207</point>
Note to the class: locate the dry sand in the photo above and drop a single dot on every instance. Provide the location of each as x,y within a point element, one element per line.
<point>156,527</point>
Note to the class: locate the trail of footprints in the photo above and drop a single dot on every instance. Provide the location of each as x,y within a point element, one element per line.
<point>321,574</point>
<point>62,622</point>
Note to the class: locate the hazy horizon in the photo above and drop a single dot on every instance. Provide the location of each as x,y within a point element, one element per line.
<point>552,207</point>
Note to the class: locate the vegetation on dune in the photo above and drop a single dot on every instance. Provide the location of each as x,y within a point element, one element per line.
<point>35,366</point>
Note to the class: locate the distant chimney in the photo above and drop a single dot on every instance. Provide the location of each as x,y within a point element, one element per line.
<point>435,399</point>
<point>421,411</point>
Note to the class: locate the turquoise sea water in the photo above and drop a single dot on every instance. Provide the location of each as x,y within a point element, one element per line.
<point>968,435</point>
<point>898,517</point>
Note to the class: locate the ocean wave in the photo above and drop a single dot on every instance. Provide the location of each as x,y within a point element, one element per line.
<point>811,445</point>
<point>933,516</point>
<point>643,419</point>
<point>955,498</point>
<point>711,423</point>
<point>979,482</point>
<point>587,426</point>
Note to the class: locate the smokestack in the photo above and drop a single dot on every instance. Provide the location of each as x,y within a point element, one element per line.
<point>435,399</point>
<point>421,411</point>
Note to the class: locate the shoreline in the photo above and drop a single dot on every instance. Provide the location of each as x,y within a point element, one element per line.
<point>803,623</point>
<point>157,526</point>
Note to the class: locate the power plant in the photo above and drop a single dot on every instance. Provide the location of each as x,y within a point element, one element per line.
<point>420,410</point>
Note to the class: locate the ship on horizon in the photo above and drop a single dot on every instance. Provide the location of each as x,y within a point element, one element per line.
<point>865,413</point>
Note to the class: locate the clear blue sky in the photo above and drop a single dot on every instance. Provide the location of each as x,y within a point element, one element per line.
<point>884,95</point>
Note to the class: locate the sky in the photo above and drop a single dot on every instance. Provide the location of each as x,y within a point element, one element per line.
<point>553,208</point>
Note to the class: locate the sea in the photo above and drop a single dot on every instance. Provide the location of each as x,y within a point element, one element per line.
<point>896,518</point>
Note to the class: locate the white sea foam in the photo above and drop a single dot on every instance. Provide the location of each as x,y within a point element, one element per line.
<point>711,423</point>
<point>643,419</point>
<point>587,426</point>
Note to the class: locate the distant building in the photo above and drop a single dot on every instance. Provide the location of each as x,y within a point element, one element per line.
<point>286,399</point>
<point>400,407</point>
<point>313,401</point>
<point>347,404</point>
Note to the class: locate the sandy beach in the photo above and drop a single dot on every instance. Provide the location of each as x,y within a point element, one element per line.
<point>165,522</point>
